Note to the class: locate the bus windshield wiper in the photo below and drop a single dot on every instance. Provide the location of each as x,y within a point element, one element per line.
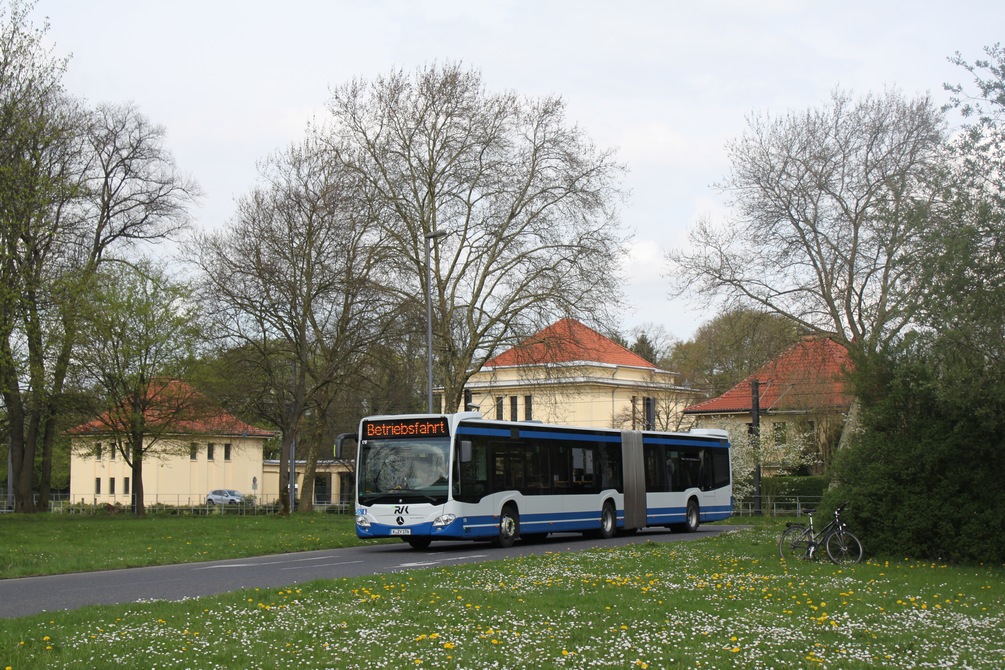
<point>395,496</point>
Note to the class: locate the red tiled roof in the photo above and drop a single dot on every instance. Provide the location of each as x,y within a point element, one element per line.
<point>568,341</point>
<point>181,409</point>
<point>807,376</point>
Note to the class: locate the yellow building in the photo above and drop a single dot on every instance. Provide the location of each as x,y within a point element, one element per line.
<point>204,449</point>
<point>572,375</point>
<point>186,456</point>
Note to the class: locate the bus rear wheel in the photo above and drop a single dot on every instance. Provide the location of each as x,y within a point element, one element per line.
<point>692,518</point>
<point>608,521</point>
<point>509,527</point>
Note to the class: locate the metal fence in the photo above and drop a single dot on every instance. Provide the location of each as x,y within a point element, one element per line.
<point>775,505</point>
<point>180,504</point>
<point>187,504</point>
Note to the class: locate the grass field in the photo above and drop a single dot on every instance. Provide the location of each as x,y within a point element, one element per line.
<point>46,544</point>
<point>722,602</point>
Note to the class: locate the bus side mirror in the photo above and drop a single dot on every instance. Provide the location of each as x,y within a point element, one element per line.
<point>340,442</point>
<point>465,451</point>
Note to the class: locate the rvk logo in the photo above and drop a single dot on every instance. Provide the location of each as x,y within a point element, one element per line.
<point>401,509</point>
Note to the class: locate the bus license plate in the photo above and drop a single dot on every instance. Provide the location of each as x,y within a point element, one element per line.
<point>401,531</point>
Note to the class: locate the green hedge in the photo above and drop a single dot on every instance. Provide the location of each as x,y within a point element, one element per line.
<point>792,486</point>
<point>924,477</point>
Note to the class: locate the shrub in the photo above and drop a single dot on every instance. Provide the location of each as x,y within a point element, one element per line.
<point>793,486</point>
<point>924,476</point>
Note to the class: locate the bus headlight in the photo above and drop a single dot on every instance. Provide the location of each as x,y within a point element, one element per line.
<point>363,521</point>
<point>444,520</point>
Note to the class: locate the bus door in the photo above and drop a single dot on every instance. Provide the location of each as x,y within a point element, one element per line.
<point>715,470</point>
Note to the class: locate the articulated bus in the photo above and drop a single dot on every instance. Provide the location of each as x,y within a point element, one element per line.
<point>462,477</point>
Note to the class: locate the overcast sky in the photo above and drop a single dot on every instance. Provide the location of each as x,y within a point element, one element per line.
<point>666,83</point>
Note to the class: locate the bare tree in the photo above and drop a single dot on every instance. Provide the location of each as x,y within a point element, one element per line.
<point>139,340</point>
<point>289,285</point>
<point>652,342</point>
<point>76,185</point>
<point>529,204</point>
<point>37,126</point>
<point>829,206</point>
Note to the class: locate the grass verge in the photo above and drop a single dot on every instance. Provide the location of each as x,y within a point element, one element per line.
<point>48,544</point>
<point>723,602</point>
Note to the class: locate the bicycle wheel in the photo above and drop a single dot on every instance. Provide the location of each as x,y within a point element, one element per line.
<point>843,547</point>
<point>795,542</point>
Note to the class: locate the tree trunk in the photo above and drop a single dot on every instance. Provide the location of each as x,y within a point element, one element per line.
<point>851,428</point>
<point>45,483</point>
<point>22,460</point>
<point>284,472</point>
<point>24,472</point>
<point>310,472</point>
<point>139,506</point>
<point>55,404</point>
<point>19,451</point>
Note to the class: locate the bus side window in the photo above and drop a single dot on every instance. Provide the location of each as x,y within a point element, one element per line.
<point>674,470</point>
<point>689,469</point>
<point>561,469</point>
<point>655,468</point>
<point>582,470</point>
<point>704,470</point>
<point>610,468</point>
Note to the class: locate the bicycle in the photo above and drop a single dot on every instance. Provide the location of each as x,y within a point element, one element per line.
<point>799,541</point>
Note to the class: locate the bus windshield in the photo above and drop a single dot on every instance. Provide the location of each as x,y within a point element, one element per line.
<point>409,470</point>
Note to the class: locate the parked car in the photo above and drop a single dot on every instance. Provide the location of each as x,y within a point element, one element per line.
<point>224,497</point>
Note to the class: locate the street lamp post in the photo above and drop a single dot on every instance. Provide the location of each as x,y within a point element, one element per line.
<point>430,236</point>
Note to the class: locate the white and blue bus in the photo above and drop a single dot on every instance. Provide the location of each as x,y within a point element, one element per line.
<point>462,477</point>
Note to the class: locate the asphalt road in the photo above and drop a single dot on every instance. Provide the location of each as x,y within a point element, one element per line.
<point>31,595</point>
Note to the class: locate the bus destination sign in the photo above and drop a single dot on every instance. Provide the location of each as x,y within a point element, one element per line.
<point>412,427</point>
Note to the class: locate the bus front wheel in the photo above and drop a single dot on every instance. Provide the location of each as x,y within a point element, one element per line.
<point>693,518</point>
<point>509,527</point>
<point>418,542</point>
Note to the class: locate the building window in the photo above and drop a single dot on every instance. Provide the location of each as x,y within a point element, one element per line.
<point>111,452</point>
<point>499,409</point>
<point>226,451</point>
<point>528,408</point>
<point>111,486</point>
<point>209,451</point>
<point>513,408</point>
<point>97,451</point>
<point>97,486</point>
<point>125,485</point>
<point>780,432</point>
<point>193,451</point>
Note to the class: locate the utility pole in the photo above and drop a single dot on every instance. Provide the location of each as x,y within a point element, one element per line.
<point>430,238</point>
